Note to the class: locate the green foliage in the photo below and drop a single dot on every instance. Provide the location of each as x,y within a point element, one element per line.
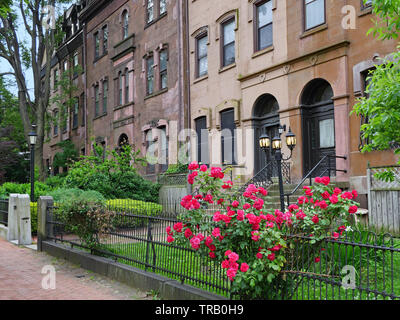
<point>88,219</point>
<point>34,217</point>
<point>41,189</point>
<point>136,207</point>
<point>387,24</point>
<point>67,156</point>
<point>114,177</point>
<point>381,107</point>
<point>60,195</point>
<point>55,182</point>
<point>176,168</point>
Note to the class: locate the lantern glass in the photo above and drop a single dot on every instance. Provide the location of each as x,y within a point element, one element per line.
<point>32,138</point>
<point>276,143</point>
<point>265,141</point>
<point>291,140</point>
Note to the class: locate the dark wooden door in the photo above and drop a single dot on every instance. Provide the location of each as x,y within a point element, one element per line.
<point>318,137</point>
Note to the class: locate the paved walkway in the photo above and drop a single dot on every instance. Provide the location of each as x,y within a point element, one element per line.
<point>21,279</point>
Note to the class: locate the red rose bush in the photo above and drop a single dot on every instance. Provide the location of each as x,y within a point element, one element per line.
<point>255,245</point>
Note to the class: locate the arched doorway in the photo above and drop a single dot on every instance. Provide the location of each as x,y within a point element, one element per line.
<point>318,122</point>
<point>265,120</point>
<point>123,140</point>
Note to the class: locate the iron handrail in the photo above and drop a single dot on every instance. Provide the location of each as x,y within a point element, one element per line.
<point>309,174</point>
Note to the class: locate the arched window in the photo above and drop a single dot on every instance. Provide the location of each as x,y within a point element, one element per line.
<point>125,24</point>
<point>317,91</point>
<point>123,140</point>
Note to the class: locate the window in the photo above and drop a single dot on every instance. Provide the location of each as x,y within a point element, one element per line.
<point>55,128</point>
<point>150,168</point>
<point>228,144</point>
<point>75,113</point>
<point>201,55</point>
<point>202,140</point>
<point>64,120</point>
<point>163,69</point>
<point>97,100</point>
<point>56,78</point>
<point>366,4</point>
<point>365,76</point>
<point>263,32</point>
<point>126,86</point>
<point>164,149</point>
<point>105,95</point>
<point>120,88</point>
<point>96,45</point>
<point>83,110</point>
<point>75,63</point>
<point>65,65</point>
<point>150,11</point>
<point>150,74</point>
<point>105,39</point>
<point>228,42</point>
<point>125,25</point>
<point>163,6</point>
<point>314,11</point>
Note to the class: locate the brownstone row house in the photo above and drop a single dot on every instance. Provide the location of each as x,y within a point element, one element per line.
<point>131,87</point>
<point>229,70</point>
<point>259,64</point>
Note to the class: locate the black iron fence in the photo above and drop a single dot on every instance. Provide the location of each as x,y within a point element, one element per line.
<point>4,212</point>
<point>139,238</point>
<point>359,265</point>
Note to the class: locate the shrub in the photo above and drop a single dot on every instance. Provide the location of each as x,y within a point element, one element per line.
<point>55,182</point>
<point>88,219</point>
<point>114,177</point>
<point>135,207</point>
<point>64,194</point>
<point>258,247</point>
<point>139,210</point>
<point>41,189</point>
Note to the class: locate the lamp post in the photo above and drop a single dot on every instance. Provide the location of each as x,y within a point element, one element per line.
<point>265,143</point>
<point>32,141</point>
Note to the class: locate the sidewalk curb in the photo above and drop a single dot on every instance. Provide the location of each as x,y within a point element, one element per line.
<point>168,289</point>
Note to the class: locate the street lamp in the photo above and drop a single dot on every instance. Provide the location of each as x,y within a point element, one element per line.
<point>277,147</point>
<point>32,140</point>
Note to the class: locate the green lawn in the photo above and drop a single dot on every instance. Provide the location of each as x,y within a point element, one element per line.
<point>173,263</point>
<point>373,270</point>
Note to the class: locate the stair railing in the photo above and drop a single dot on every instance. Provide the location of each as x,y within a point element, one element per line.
<point>329,169</point>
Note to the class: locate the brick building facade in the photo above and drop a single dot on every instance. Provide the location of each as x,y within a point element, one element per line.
<point>132,79</point>
<point>258,64</point>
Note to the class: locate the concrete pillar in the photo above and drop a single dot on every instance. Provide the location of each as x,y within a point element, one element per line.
<point>24,220</point>
<point>12,233</point>
<point>43,204</point>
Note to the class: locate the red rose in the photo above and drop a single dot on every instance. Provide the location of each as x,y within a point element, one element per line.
<point>315,219</point>
<point>193,166</point>
<point>203,168</point>
<point>244,267</point>
<point>353,209</point>
<point>271,257</point>
<point>325,180</point>
<point>325,195</point>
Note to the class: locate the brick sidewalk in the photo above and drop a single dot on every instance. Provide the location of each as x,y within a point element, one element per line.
<point>21,279</point>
